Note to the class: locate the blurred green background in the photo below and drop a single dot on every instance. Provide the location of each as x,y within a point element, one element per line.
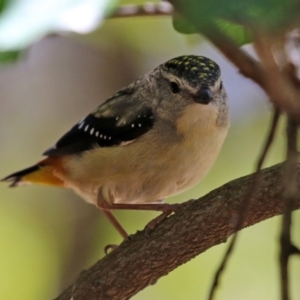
<point>49,235</point>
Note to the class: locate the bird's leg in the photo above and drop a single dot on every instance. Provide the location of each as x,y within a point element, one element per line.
<point>115,223</point>
<point>166,209</point>
<point>117,226</point>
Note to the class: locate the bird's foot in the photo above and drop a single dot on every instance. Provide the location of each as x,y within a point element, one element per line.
<point>167,210</point>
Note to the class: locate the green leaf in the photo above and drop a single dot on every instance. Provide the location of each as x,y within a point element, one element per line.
<point>238,33</point>
<point>9,56</point>
<point>181,25</point>
<point>233,16</point>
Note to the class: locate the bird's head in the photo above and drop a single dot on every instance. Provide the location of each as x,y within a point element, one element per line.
<point>191,85</point>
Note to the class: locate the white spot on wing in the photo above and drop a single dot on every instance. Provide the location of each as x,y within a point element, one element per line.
<point>92,131</point>
<point>86,128</point>
<point>97,133</point>
<point>132,125</point>
<point>126,143</point>
<point>81,125</point>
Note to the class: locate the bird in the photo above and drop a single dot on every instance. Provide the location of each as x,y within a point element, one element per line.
<point>154,138</point>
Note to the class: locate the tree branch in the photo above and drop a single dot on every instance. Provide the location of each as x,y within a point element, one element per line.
<point>199,226</point>
<point>290,195</point>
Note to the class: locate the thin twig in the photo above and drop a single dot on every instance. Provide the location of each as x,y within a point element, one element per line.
<point>147,9</point>
<point>278,84</point>
<point>286,247</point>
<point>244,205</point>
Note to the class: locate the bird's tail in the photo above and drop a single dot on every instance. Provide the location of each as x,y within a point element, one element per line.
<point>41,173</point>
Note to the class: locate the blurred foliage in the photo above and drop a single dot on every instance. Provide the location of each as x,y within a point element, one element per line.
<point>3,4</point>
<point>238,33</point>
<point>9,56</point>
<point>24,22</point>
<point>236,18</point>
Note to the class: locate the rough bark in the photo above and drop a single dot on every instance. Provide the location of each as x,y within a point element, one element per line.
<point>200,225</point>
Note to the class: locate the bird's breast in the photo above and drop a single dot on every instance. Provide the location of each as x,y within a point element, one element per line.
<point>146,170</point>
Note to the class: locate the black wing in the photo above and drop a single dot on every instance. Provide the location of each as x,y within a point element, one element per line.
<point>119,120</point>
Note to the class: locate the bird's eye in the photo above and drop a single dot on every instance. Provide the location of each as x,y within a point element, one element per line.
<point>204,96</point>
<point>175,89</point>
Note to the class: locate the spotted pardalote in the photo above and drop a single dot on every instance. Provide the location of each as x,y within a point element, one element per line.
<point>154,138</point>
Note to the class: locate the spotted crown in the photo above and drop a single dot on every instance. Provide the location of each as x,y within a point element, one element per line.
<point>194,69</point>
